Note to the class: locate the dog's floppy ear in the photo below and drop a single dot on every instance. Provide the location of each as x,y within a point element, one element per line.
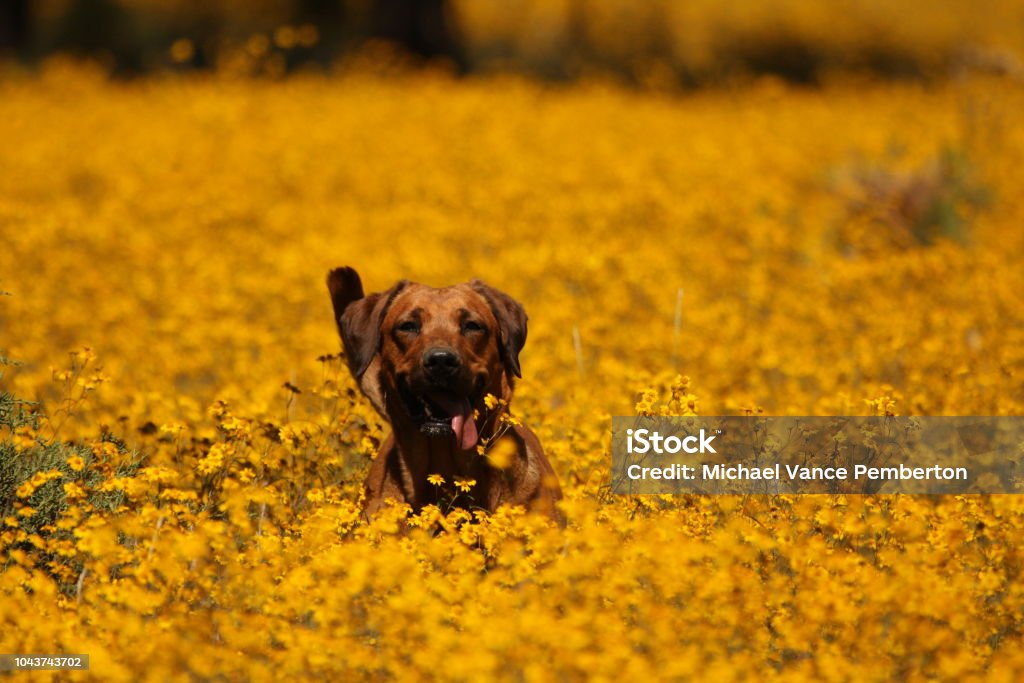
<point>511,323</point>
<point>358,317</point>
<point>345,287</point>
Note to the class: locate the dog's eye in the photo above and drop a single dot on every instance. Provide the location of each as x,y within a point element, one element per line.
<point>409,326</point>
<point>472,326</point>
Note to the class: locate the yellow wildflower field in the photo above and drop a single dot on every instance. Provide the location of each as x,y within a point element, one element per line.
<point>850,250</point>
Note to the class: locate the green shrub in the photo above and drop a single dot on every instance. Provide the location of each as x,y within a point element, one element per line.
<point>34,533</point>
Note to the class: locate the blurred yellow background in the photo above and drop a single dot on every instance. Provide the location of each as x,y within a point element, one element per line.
<point>658,43</point>
<point>173,509</point>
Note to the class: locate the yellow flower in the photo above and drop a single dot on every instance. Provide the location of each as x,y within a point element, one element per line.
<point>104,450</point>
<point>511,420</point>
<point>25,438</point>
<point>73,491</point>
<point>464,485</point>
<point>436,479</point>
<point>502,453</point>
<point>26,489</point>
<point>76,463</point>
<point>214,459</point>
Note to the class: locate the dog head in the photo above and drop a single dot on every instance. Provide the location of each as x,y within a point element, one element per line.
<point>426,357</point>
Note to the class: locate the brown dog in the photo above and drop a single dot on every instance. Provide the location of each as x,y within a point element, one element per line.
<point>426,358</point>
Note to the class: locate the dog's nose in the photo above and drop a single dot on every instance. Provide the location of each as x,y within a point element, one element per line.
<point>440,362</point>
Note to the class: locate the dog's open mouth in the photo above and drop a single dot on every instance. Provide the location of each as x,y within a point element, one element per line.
<point>443,413</point>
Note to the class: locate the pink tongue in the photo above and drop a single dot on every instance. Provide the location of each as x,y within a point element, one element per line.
<point>463,423</point>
